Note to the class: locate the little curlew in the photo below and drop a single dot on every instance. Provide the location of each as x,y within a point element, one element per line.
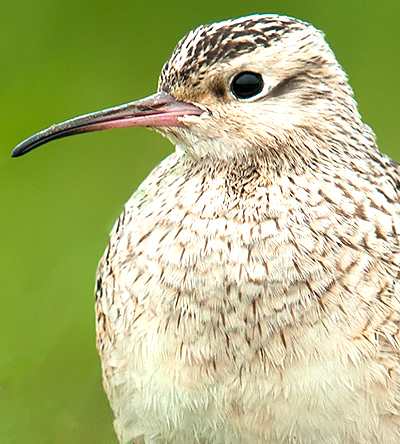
<point>250,290</point>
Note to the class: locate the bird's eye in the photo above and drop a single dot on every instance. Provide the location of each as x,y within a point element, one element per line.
<point>247,84</point>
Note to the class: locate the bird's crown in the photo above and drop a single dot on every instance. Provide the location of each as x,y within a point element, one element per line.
<point>221,42</point>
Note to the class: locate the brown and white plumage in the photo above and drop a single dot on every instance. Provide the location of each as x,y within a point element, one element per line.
<point>250,290</point>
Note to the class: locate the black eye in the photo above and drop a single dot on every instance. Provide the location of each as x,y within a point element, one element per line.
<point>246,85</point>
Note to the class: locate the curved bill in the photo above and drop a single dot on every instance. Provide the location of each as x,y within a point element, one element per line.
<point>160,109</point>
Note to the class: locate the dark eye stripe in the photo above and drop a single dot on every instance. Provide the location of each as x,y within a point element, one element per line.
<point>284,86</point>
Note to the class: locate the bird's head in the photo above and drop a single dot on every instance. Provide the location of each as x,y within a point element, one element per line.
<point>256,85</point>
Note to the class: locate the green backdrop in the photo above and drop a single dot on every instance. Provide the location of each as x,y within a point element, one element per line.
<point>60,59</point>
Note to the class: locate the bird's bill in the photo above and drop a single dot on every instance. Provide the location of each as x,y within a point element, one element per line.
<point>158,110</point>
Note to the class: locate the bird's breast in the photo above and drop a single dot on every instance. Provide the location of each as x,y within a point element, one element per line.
<point>211,285</point>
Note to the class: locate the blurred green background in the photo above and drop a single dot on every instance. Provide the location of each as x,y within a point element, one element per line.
<point>60,59</point>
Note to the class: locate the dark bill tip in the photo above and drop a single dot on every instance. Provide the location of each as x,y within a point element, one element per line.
<point>45,136</point>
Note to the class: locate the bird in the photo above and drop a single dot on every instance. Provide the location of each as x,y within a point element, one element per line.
<point>249,293</point>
